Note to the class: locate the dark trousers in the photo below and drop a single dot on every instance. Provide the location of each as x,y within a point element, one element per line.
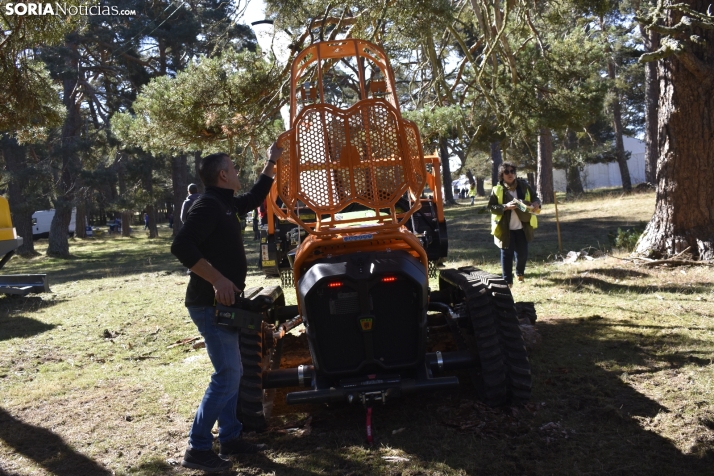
<point>517,247</point>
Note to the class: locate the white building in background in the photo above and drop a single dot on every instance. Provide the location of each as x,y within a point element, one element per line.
<point>608,175</point>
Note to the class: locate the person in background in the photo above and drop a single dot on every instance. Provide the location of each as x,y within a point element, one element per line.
<point>211,244</point>
<point>146,221</point>
<point>472,193</point>
<point>511,227</point>
<point>192,196</point>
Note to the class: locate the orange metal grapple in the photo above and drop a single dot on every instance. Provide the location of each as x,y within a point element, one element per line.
<point>339,152</point>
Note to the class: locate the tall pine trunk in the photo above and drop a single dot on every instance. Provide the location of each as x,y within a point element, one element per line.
<point>446,172</point>
<point>126,216</point>
<point>20,207</point>
<point>544,174</point>
<point>617,126</point>
<point>617,120</point>
<point>196,164</point>
<point>79,230</point>
<point>684,210</point>
<point>572,174</point>
<point>480,190</point>
<point>147,182</point>
<point>651,99</point>
<point>58,245</point>
<point>496,161</point>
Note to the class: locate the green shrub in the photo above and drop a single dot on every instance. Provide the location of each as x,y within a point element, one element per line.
<point>626,239</point>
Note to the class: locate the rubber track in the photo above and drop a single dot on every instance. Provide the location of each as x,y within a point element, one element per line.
<point>250,399</point>
<point>490,378</point>
<point>505,375</point>
<point>518,367</point>
<point>286,277</point>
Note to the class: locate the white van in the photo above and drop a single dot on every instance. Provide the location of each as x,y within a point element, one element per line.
<point>41,221</point>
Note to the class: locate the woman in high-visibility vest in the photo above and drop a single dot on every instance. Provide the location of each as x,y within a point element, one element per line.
<point>512,223</point>
<point>472,193</point>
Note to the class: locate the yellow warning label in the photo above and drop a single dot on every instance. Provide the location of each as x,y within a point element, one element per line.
<point>269,263</point>
<point>366,324</point>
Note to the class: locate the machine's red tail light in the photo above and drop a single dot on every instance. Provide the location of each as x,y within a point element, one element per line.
<point>389,279</point>
<point>334,284</point>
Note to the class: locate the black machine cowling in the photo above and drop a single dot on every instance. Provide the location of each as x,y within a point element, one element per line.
<point>365,312</point>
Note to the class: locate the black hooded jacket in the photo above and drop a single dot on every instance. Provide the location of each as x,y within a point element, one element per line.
<point>213,231</point>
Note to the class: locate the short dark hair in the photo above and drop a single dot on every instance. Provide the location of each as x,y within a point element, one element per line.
<point>193,188</point>
<point>502,168</point>
<point>211,166</point>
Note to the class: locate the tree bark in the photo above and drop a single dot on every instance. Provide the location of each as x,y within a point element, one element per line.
<point>617,125</point>
<point>575,185</point>
<point>544,174</point>
<point>196,164</point>
<point>79,230</point>
<point>58,240</point>
<point>446,172</point>
<point>572,173</point>
<point>180,184</point>
<point>480,190</point>
<point>21,208</point>
<point>651,98</point>
<point>496,161</point>
<point>532,180</point>
<point>684,214</point>
<point>126,216</point>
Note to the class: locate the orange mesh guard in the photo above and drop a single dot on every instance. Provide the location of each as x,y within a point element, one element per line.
<point>337,155</point>
<point>333,157</point>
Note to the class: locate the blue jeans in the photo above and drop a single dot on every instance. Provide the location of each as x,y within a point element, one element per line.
<point>220,401</point>
<point>518,247</point>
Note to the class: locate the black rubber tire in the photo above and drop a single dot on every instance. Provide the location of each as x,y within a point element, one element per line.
<point>503,376</point>
<point>255,404</point>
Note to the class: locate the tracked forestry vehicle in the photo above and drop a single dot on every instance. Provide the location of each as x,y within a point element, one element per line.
<point>356,225</point>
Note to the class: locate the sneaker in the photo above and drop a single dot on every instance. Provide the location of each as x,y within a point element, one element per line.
<point>240,446</point>
<point>207,461</point>
<point>521,278</point>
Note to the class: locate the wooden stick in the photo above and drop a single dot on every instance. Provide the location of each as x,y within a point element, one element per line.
<point>557,221</point>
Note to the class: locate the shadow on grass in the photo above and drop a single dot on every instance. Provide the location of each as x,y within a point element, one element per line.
<point>12,321</point>
<point>19,326</point>
<point>618,272</point>
<point>581,282</point>
<point>583,418</point>
<point>46,449</point>
<point>100,259</point>
<point>151,466</point>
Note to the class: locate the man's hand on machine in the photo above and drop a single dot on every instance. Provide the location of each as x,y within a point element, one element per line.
<point>274,153</point>
<point>225,291</point>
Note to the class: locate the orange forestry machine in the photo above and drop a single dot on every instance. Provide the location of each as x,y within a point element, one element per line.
<point>356,224</point>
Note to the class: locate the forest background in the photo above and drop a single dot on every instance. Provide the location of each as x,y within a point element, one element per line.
<point>109,113</point>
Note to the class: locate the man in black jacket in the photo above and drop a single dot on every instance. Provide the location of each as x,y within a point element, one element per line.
<point>210,244</point>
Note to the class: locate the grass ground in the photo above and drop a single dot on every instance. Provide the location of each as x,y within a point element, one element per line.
<point>91,384</point>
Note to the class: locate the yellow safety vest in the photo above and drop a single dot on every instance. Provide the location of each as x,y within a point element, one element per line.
<point>496,218</point>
